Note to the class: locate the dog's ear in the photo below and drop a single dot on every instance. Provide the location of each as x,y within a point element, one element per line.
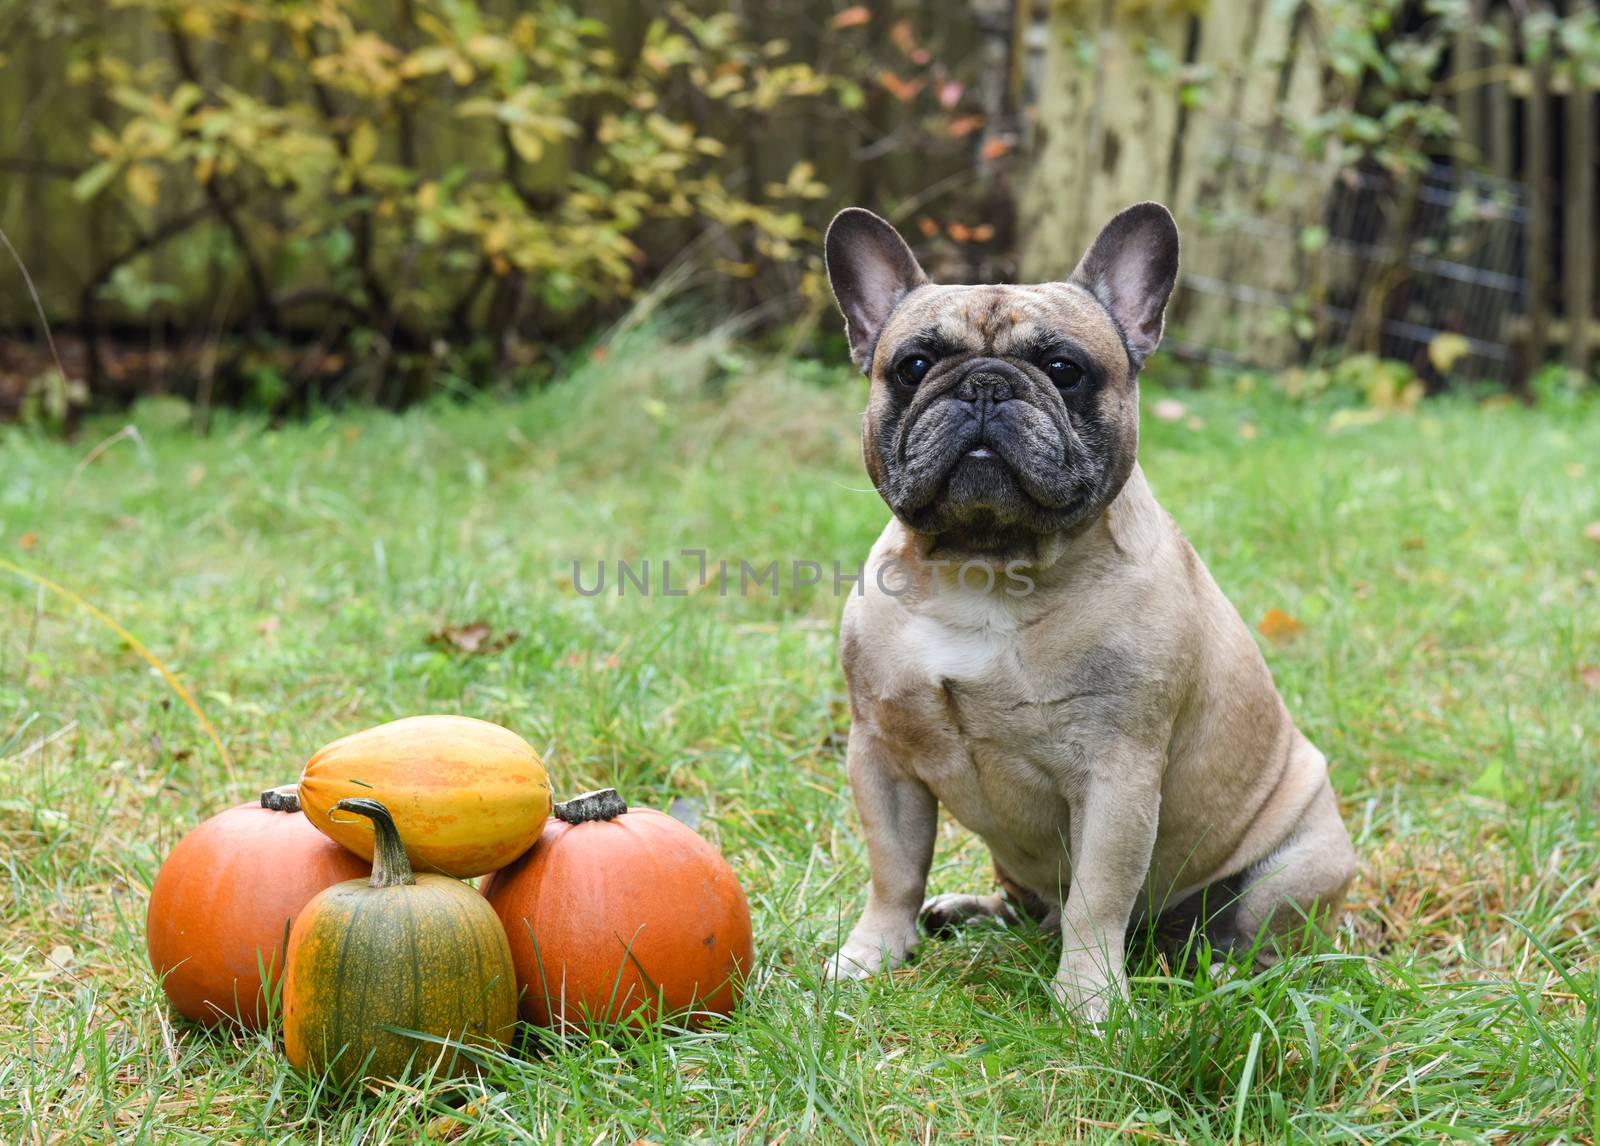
<point>1131,268</point>
<point>871,269</point>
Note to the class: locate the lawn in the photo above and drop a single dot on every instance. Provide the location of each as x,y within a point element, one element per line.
<point>301,580</point>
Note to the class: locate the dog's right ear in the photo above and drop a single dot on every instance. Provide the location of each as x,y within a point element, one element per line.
<point>871,269</point>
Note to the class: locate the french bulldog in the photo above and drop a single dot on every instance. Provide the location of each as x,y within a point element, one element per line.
<point>1036,646</point>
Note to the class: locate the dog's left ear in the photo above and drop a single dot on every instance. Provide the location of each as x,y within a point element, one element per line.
<point>1131,268</point>
<point>871,269</point>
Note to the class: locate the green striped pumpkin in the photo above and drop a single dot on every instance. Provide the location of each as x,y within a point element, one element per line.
<point>368,960</point>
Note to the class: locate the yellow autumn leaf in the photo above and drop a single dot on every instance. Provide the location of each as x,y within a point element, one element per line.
<point>195,21</point>
<point>1447,349</point>
<point>144,184</point>
<point>528,144</point>
<point>363,144</point>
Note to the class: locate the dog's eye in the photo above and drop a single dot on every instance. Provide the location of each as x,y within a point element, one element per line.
<point>1065,373</point>
<point>913,368</point>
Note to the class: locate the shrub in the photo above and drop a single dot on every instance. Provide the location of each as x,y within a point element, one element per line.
<point>381,178</point>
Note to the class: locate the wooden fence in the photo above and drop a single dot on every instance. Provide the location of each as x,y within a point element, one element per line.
<point>1285,256</point>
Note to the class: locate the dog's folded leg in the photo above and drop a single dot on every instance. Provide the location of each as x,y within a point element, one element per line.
<point>943,914</point>
<point>898,816</point>
<point>1113,839</point>
<point>1013,903</point>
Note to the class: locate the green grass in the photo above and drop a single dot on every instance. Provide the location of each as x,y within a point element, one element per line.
<point>293,576</point>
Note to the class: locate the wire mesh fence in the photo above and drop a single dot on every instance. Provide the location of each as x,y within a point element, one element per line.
<point>1379,262</point>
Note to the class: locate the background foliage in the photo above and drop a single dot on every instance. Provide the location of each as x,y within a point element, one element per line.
<point>280,203</point>
<point>426,193</point>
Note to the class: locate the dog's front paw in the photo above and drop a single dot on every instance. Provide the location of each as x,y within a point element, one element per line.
<point>863,956</point>
<point>1087,992</point>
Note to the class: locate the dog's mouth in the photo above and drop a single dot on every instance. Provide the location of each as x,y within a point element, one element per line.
<point>989,501</point>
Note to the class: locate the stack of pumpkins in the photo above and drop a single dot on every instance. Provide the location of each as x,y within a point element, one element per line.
<point>600,915</point>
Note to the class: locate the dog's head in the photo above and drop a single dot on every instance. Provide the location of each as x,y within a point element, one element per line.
<point>1001,414</point>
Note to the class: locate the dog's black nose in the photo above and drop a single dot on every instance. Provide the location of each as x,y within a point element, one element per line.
<point>982,383</point>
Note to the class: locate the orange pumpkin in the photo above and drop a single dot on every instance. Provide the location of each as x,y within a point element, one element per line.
<point>223,902</point>
<point>622,916</point>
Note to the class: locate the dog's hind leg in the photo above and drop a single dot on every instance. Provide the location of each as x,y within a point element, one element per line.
<point>1268,907</point>
<point>941,915</point>
<point>1304,879</point>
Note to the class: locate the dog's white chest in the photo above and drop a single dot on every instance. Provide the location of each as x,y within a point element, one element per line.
<point>936,649</point>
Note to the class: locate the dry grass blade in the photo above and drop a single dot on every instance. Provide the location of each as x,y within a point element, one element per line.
<point>38,306</point>
<point>137,646</point>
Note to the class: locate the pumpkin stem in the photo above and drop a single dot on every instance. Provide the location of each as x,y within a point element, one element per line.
<point>604,804</point>
<point>285,798</point>
<point>390,867</point>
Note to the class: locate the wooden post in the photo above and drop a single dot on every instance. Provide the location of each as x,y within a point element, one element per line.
<point>1537,132</point>
<point>1464,53</point>
<point>1107,121</point>
<point>1498,140</point>
<point>1579,241</point>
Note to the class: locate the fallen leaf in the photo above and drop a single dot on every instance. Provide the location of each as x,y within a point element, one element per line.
<point>476,638</point>
<point>928,227</point>
<point>982,233</point>
<point>1195,422</point>
<point>1247,431</point>
<point>1413,543</point>
<point>1169,410</point>
<point>1592,531</point>
<point>28,540</point>
<point>1446,349</point>
<point>1279,626</point>
<point>448,1127</point>
<point>1491,782</point>
<point>1342,419</point>
<point>853,17</point>
<point>964,125</point>
<point>60,957</point>
<point>1573,469</point>
<point>960,232</point>
<point>1590,675</point>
